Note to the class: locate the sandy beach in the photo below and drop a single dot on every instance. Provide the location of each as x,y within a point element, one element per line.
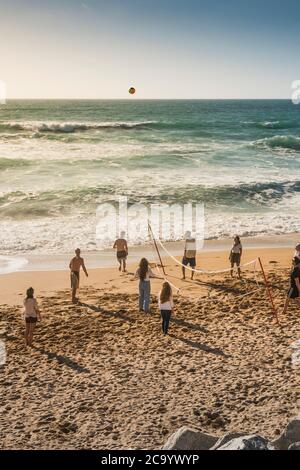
<point>149,134</point>
<point>102,376</point>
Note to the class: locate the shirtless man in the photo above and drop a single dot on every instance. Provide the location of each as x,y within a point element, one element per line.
<point>189,256</point>
<point>75,264</point>
<point>122,251</point>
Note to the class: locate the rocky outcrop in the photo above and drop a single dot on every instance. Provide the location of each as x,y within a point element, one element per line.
<point>250,442</point>
<point>193,439</point>
<point>228,437</point>
<point>290,435</point>
<point>295,446</point>
<point>189,439</point>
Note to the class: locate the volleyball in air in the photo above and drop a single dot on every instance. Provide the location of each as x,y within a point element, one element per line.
<point>131,90</point>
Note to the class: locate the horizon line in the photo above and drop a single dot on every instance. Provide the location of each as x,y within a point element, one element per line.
<point>148,99</point>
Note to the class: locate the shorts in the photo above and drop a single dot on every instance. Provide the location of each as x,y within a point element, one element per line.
<point>293,293</point>
<point>74,279</point>
<point>189,261</point>
<point>30,319</point>
<point>235,258</point>
<point>121,255</point>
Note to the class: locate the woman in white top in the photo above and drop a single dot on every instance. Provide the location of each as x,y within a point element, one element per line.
<point>235,255</point>
<point>166,305</point>
<point>31,315</point>
<point>144,273</point>
<point>297,251</point>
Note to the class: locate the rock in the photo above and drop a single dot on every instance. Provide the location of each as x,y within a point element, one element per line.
<point>290,435</point>
<point>189,439</point>
<point>295,446</point>
<point>250,442</point>
<point>226,438</point>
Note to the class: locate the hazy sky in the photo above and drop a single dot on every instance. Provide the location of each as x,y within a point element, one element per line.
<point>165,48</point>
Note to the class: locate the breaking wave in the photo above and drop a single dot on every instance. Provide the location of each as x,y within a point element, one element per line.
<point>70,127</point>
<point>19,205</point>
<point>279,141</point>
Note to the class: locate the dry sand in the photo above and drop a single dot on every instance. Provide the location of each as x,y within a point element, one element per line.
<point>102,376</point>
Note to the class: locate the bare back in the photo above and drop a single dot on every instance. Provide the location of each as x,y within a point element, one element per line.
<point>121,244</point>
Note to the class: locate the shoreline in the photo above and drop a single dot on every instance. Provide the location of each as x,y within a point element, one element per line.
<point>108,279</point>
<point>106,258</point>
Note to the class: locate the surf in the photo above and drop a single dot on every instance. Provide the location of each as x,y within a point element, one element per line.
<point>70,127</point>
<point>288,142</point>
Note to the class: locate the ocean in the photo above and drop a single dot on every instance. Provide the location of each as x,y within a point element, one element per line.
<point>60,159</point>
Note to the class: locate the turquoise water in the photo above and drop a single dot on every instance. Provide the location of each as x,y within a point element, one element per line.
<point>59,159</point>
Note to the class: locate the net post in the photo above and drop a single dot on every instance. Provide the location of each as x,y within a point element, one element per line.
<point>156,247</point>
<point>268,289</point>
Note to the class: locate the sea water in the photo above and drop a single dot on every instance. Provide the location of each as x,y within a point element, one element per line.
<point>60,159</point>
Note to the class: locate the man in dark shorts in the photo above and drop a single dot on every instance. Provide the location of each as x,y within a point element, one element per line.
<point>75,264</point>
<point>294,290</point>
<point>122,251</point>
<point>235,255</point>
<point>189,256</point>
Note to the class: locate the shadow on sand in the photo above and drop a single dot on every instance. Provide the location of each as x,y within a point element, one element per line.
<point>190,326</point>
<point>111,313</point>
<point>201,346</point>
<point>62,360</point>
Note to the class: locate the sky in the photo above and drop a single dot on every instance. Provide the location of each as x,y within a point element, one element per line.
<point>166,49</point>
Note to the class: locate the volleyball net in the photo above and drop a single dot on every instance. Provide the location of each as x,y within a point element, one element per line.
<point>255,264</point>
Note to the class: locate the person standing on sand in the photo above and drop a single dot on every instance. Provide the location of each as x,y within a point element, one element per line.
<point>75,264</point>
<point>166,305</point>
<point>294,290</point>
<point>32,314</point>
<point>297,251</point>
<point>122,251</point>
<point>144,273</point>
<point>235,255</point>
<point>189,256</point>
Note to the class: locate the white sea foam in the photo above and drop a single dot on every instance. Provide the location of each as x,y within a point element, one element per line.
<point>287,142</point>
<point>69,127</point>
<point>271,124</point>
<point>10,264</point>
<point>64,234</point>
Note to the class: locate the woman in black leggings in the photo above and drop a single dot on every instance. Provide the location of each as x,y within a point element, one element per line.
<point>165,302</point>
